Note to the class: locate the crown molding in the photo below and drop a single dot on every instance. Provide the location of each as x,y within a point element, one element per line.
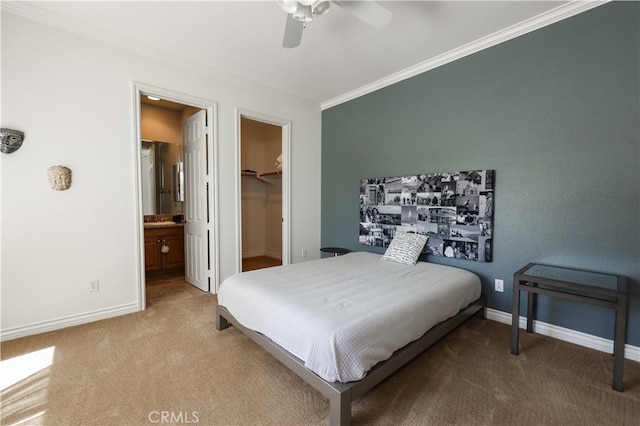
<point>575,7</point>
<point>547,18</point>
<point>30,11</point>
<point>34,13</point>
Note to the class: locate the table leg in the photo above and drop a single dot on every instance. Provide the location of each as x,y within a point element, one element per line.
<point>531,308</point>
<point>619,340</point>
<point>515,317</point>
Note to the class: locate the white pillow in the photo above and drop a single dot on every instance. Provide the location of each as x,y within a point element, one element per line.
<point>405,248</point>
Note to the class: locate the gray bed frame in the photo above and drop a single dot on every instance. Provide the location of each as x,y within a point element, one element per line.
<point>339,394</point>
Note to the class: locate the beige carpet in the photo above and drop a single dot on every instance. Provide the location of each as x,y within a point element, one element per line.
<point>168,365</point>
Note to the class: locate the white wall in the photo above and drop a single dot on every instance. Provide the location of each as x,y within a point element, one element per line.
<point>73,98</point>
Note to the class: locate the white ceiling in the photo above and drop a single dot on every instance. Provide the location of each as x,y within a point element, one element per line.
<point>340,56</point>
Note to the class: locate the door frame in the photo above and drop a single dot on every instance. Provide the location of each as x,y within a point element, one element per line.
<point>285,125</point>
<point>211,107</point>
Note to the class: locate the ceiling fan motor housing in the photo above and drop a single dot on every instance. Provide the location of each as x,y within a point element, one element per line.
<point>303,10</point>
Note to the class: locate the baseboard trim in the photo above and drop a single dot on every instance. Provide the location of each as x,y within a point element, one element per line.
<point>274,255</point>
<point>57,324</point>
<point>249,254</point>
<point>267,253</point>
<point>567,335</point>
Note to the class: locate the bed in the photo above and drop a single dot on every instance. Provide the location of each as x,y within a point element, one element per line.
<point>343,324</point>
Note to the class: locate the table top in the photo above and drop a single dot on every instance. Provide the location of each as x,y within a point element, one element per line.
<point>574,276</point>
<point>338,250</point>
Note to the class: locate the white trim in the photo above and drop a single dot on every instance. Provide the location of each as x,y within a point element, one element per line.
<point>273,255</point>
<point>567,335</point>
<point>214,198</point>
<point>211,107</point>
<point>250,254</point>
<point>257,253</point>
<point>552,16</point>
<point>64,322</point>
<point>547,18</point>
<point>286,181</point>
<point>137,194</point>
<point>31,11</point>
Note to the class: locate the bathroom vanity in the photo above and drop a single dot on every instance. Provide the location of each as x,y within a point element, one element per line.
<point>163,246</point>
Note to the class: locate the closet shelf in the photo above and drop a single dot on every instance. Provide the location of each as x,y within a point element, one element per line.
<point>259,176</point>
<point>273,173</point>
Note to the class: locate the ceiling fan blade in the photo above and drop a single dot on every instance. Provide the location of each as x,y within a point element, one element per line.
<point>368,11</point>
<point>292,32</point>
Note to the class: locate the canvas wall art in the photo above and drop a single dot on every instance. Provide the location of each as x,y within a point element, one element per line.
<point>454,210</point>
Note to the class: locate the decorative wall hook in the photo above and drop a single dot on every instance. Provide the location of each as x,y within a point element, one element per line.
<point>59,177</point>
<point>11,140</point>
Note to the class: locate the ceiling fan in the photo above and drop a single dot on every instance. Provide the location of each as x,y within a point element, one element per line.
<point>302,11</point>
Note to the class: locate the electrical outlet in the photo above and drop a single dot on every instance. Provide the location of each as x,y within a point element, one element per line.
<point>94,285</point>
<point>304,252</point>
<point>499,285</point>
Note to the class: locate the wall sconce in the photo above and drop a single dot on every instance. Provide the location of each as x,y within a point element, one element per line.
<point>59,177</point>
<point>11,140</point>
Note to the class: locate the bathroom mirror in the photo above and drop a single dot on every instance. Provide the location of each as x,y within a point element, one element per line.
<point>162,170</point>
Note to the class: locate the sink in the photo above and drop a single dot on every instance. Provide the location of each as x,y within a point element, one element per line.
<point>159,224</point>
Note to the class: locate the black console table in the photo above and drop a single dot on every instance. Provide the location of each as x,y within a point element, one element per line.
<point>337,251</point>
<point>583,286</point>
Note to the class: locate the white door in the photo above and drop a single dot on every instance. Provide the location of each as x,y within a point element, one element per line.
<point>195,197</point>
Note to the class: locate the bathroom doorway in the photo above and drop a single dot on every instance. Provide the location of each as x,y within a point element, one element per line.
<point>178,238</point>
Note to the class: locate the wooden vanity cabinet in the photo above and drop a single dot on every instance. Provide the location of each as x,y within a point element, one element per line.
<point>175,258</point>
<point>154,239</point>
<point>152,257</point>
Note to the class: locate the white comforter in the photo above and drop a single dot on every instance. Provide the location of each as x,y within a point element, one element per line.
<point>342,315</point>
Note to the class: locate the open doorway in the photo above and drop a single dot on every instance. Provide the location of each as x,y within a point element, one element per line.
<point>176,174</point>
<point>263,147</point>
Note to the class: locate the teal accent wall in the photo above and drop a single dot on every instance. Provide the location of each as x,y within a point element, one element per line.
<point>556,113</point>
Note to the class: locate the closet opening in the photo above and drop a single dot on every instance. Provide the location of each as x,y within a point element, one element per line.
<point>261,166</point>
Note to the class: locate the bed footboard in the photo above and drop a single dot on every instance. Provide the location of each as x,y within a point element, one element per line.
<point>341,395</point>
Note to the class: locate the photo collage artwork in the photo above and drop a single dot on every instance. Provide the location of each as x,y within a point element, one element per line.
<point>454,210</point>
